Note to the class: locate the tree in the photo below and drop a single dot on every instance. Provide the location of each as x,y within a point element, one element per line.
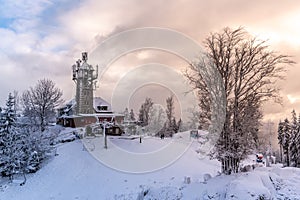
<point>170,124</point>
<point>248,70</point>
<point>41,101</point>
<point>297,141</point>
<point>286,141</point>
<point>280,139</point>
<point>14,148</point>
<point>21,148</point>
<point>131,115</point>
<point>7,130</point>
<point>126,115</point>
<point>144,111</point>
<point>170,110</point>
<point>157,118</point>
<point>294,146</point>
<point>194,121</point>
<point>179,125</point>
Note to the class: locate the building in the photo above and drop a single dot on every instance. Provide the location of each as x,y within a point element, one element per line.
<point>101,111</point>
<point>86,109</point>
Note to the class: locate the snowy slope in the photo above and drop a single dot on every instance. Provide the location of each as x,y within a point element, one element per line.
<point>76,174</point>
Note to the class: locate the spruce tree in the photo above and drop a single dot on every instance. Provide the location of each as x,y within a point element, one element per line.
<point>131,114</point>
<point>144,111</point>
<point>294,151</point>
<point>286,140</point>
<point>12,158</point>
<point>126,115</point>
<point>280,139</point>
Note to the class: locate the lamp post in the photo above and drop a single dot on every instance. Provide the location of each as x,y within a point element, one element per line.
<point>143,129</point>
<point>104,135</point>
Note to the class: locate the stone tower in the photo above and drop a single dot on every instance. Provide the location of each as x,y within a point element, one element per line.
<point>85,76</point>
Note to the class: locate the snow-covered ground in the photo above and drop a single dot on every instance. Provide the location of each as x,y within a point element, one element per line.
<point>77,173</point>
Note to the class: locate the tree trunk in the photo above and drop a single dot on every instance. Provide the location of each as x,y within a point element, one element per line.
<point>288,158</point>
<point>280,150</point>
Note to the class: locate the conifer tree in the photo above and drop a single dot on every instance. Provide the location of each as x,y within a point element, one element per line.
<point>294,151</point>
<point>280,139</point>
<point>144,111</point>
<point>131,115</point>
<point>126,114</point>
<point>286,141</point>
<point>12,158</point>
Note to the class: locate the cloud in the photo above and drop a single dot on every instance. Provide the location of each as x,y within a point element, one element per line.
<point>44,38</point>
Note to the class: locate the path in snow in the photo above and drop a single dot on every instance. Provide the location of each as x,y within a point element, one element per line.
<point>76,174</point>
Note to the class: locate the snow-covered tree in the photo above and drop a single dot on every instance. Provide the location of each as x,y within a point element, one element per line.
<point>170,110</point>
<point>131,115</point>
<point>194,119</point>
<point>174,125</point>
<point>21,149</point>
<point>286,141</point>
<point>126,115</point>
<point>294,146</point>
<point>13,158</point>
<point>41,101</point>
<point>180,126</point>
<point>171,125</point>
<point>157,118</point>
<point>280,139</point>
<point>144,111</point>
<point>248,70</point>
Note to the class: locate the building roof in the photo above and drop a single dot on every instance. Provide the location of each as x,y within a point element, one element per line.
<point>98,102</point>
<point>98,105</point>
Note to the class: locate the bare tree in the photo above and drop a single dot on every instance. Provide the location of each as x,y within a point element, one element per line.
<point>249,71</point>
<point>41,101</point>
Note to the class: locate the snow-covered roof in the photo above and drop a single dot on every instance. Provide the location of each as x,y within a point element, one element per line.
<point>100,105</point>
<point>98,115</point>
<point>68,104</point>
<point>99,102</point>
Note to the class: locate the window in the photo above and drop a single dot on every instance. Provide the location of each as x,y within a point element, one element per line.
<point>102,107</point>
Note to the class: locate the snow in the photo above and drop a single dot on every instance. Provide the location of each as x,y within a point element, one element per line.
<point>78,173</point>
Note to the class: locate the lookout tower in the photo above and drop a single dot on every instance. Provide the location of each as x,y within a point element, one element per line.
<point>85,77</point>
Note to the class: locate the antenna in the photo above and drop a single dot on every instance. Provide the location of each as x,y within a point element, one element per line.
<point>84,56</point>
<point>74,72</point>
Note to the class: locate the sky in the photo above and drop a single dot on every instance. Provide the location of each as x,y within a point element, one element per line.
<point>44,38</point>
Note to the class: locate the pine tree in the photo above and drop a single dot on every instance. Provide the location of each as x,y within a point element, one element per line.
<point>144,111</point>
<point>170,110</point>
<point>286,140</point>
<point>297,141</point>
<point>280,139</point>
<point>171,126</point>
<point>179,125</point>
<point>131,114</point>
<point>126,115</point>
<point>12,158</point>
<point>174,126</point>
<point>294,151</point>
<point>141,114</point>
<point>21,151</point>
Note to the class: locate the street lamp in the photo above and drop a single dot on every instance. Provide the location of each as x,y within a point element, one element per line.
<point>104,135</point>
